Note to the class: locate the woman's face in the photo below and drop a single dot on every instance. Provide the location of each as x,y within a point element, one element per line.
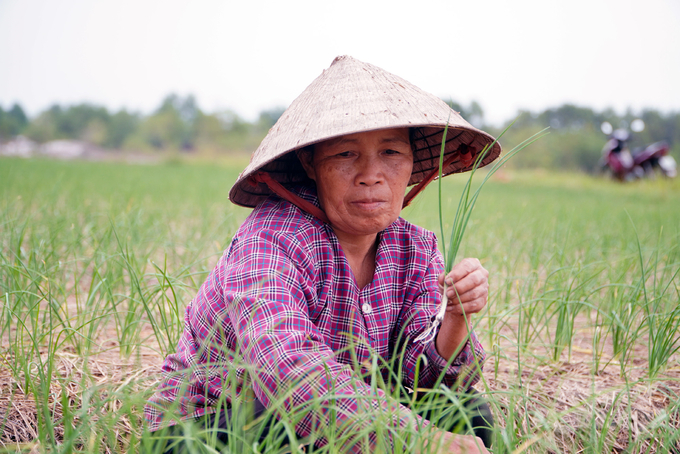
<point>361,179</point>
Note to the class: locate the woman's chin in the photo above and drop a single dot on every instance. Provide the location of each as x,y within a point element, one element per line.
<point>364,225</point>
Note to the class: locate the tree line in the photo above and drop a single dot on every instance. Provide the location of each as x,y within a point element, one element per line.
<point>178,124</point>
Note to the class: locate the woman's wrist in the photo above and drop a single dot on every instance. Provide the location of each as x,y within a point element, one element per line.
<point>452,335</point>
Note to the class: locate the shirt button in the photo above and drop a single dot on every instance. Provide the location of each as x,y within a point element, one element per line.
<point>366,308</point>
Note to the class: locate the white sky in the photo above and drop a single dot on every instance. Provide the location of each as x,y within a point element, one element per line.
<point>251,55</point>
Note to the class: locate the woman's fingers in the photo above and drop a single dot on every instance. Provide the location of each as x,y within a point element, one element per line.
<point>471,307</point>
<point>476,280</point>
<point>463,268</point>
<point>467,287</point>
<point>446,442</point>
<point>469,302</point>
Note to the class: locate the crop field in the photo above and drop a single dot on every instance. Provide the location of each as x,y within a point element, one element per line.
<point>98,261</point>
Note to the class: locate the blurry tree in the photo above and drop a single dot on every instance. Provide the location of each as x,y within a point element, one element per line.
<point>164,130</point>
<point>121,126</point>
<point>95,132</point>
<point>45,126</point>
<point>188,109</point>
<point>567,116</point>
<point>209,131</point>
<point>658,127</point>
<point>269,117</point>
<point>179,124</point>
<point>12,121</point>
<point>239,134</point>
<point>80,122</point>
<point>172,125</point>
<point>75,121</point>
<point>523,119</point>
<point>232,122</point>
<point>473,114</point>
<point>673,128</point>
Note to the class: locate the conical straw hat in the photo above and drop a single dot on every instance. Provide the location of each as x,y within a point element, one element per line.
<point>352,96</point>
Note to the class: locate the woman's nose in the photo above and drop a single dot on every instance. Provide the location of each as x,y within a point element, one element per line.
<point>370,170</point>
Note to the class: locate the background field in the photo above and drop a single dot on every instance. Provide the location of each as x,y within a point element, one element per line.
<point>98,260</point>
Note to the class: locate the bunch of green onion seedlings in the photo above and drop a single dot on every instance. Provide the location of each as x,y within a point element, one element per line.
<point>465,205</point>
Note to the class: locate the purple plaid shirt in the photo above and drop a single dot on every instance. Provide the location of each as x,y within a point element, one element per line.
<point>283,299</point>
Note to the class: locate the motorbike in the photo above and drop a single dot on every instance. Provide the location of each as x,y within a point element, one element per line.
<point>624,164</point>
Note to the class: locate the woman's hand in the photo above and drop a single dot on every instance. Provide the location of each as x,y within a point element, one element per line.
<point>467,287</point>
<point>446,442</point>
<point>467,290</point>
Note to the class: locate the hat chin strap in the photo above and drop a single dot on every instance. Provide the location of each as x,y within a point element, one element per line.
<point>278,189</point>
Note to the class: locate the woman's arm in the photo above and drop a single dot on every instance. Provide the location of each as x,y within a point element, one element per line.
<point>455,337</point>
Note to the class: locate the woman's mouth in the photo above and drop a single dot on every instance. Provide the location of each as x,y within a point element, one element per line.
<point>368,204</point>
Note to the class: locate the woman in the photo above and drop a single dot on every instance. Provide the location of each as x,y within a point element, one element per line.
<point>324,284</point>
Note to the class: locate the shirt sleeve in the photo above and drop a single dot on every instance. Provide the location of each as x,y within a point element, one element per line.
<point>267,283</point>
<point>463,371</point>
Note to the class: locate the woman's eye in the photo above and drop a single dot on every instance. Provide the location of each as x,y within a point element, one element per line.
<point>344,154</point>
<point>392,152</point>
